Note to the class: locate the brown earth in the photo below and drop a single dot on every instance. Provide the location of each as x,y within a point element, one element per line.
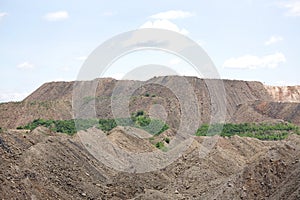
<point>44,165</point>
<point>54,101</point>
<point>284,93</point>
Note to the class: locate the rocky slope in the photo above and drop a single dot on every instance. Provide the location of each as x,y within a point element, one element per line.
<point>54,100</point>
<point>284,93</point>
<point>44,165</point>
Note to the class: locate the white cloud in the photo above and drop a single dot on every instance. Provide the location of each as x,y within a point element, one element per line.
<point>172,14</point>
<point>164,24</point>
<point>81,58</point>
<point>15,96</point>
<point>3,14</point>
<point>273,39</point>
<point>57,16</point>
<point>25,65</point>
<point>162,21</point>
<point>254,62</point>
<point>293,7</point>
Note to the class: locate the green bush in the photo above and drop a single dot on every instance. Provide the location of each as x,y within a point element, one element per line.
<point>107,124</point>
<point>161,146</point>
<point>62,126</point>
<point>139,113</point>
<point>261,131</point>
<point>138,120</point>
<point>167,140</point>
<point>152,126</point>
<point>84,124</point>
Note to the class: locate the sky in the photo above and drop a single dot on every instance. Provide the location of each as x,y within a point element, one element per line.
<point>43,41</point>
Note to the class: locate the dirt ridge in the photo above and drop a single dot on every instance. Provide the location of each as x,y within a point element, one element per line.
<point>54,101</point>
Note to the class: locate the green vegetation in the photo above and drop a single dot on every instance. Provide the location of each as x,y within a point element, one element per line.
<point>167,140</point>
<point>138,113</point>
<point>161,146</point>
<point>87,99</point>
<point>107,124</point>
<point>261,131</point>
<point>138,120</point>
<point>152,126</point>
<point>84,124</point>
<point>62,126</point>
<point>149,95</point>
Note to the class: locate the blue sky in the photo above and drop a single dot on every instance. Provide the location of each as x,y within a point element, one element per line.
<point>42,41</point>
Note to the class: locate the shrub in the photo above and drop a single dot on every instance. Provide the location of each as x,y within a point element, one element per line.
<point>84,124</point>
<point>139,113</point>
<point>261,131</point>
<point>138,120</point>
<point>62,126</point>
<point>161,146</point>
<point>107,124</point>
<point>167,140</point>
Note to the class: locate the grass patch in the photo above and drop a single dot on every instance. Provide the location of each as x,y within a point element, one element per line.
<point>87,99</point>
<point>138,120</point>
<point>161,146</point>
<point>262,131</point>
<point>62,126</point>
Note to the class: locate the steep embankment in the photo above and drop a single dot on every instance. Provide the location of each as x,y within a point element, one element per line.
<point>245,101</point>
<point>54,100</point>
<point>284,93</point>
<point>41,165</point>
<point>16,114</point>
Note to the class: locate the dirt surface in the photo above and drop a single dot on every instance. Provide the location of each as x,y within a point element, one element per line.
<point>284,93</point>
<point>44,165</point>
<point>54,101</point>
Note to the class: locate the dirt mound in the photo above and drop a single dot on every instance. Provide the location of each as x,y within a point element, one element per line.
<point>43,165</point>
<point>54,100</point>
<point>131,139</point>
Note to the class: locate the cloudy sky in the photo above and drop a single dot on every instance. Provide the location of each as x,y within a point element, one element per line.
<point>42,41</point>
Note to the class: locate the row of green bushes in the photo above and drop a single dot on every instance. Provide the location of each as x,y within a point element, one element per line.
<point>61,126</point>
<point>138,120</point>
<point>262,131</point>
